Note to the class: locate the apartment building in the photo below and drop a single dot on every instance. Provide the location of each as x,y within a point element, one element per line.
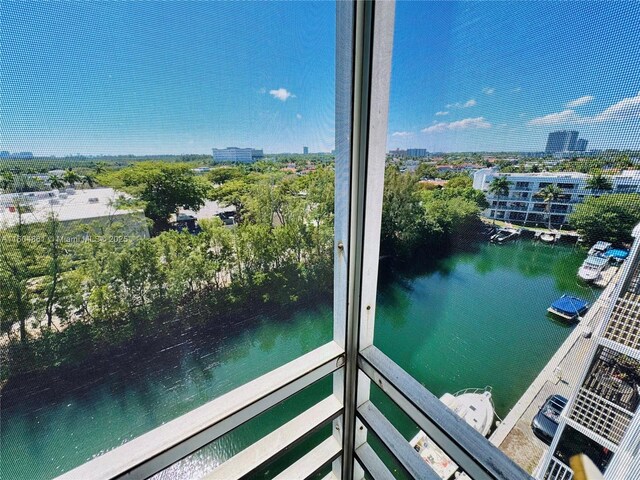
<point>601,418</point>
<point>523,206</point>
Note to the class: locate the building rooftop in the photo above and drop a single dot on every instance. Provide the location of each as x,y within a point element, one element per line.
<point>82,204</point>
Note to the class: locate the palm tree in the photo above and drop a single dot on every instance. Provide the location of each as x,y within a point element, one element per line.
<point>71,177</point>
<point>55,182</point>
<point>549,194</point>
<point>599,183</point>
<point>88,180</point>
<point>500,188</point>
<point>101,167</point>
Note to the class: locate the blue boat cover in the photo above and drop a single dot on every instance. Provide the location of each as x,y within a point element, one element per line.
<point>617,253</point>
<point>569,305</point>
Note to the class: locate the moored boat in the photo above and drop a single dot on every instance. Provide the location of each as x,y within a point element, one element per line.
<point>505,234</point>
<point>592,267</point>
<point>568,307</point>
<point>617,255</point>
<point>475,407</point>
<point>599,249</point>
<point>548,237</point>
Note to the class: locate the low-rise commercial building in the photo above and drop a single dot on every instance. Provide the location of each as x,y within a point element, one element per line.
<point>523,205</point>
<point>237,155</point>
<point>71,207</point>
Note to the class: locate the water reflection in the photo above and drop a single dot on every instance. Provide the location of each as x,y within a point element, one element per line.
<point>75,417</point>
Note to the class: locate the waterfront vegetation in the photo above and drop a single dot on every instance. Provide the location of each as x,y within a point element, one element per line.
<point>74,293</point>
<point>609,218</point>
<point>77,292</point>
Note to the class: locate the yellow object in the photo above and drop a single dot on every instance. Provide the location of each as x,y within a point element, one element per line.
<point>583,468</point>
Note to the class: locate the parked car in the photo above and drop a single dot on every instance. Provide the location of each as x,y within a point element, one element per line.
<point>545,423</point>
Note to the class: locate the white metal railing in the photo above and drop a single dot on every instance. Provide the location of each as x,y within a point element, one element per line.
<point>558,471</point>
<point>479,458</point>
<point>154,451</point>
<point>363,64</point>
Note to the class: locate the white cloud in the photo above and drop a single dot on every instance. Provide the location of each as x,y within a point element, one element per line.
<point>488,90</point>
<point>564,116</point>
<point>467,123</point>
<point>298,116</point>
<point>401,134</point>
<point>262,91</point>
<point>626,109</point>
<point>467,104</point>
<point>442,113</point>
<point>517,89</point>
<point>579,101</point>
<point>281,94</point>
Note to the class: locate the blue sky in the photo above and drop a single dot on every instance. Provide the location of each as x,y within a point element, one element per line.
<point>500,76</point>
<point>183,77</point>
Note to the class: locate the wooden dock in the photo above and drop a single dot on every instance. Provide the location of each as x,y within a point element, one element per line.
<point>605,276</point>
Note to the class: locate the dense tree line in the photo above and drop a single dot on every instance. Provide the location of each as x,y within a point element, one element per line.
<point>69,293</point>
<point>74,292</point>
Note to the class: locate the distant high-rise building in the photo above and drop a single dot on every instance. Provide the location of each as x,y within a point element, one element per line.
<point>305,150</point>
<point>417,152</point>
<point>581,145</point>
<point>235,154</point>
<point>562,141</point>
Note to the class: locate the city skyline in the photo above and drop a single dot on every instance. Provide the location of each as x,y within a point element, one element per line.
<point>117,86</point>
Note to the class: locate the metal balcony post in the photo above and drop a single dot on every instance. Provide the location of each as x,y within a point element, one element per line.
<point>373,24</point>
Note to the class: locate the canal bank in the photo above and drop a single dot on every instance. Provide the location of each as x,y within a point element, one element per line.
<point>472,319</point>
<point>560,375</point>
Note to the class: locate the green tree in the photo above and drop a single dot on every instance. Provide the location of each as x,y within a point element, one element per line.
<point>16,259</point>
<point>402,214</point>
<point>460,181</point>
<point>55,257</point>
<point>223,174</point>
<point>599,183</point>
<point>88,180</point>
<point>71,177</point>
<point>609,218</point>
<point>549,194</point>
<point>500,188</point>
<point>426,170</point>
<point>55,182</point>
<point>101,167</point>
<point>6,181</point>
<point>165,188</point>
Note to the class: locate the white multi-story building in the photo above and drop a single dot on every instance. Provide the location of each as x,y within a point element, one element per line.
<point>235,154</point>
<point>601,418</point>
<point>522,205</point>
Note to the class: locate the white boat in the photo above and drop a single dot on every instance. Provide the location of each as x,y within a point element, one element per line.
<point>548,237</point>
<point>474,406</point>
<point>599,249</point>
<point>505,234</point>
<point>592,267</point>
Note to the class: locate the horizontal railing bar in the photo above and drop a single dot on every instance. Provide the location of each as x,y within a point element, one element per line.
<point>399,447</point>
<point>277,442</point>
<point>464,445</point>
<point>330,476</point>
<point>154,451</point>
<point>371,463</point>
<point>313,461</point>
